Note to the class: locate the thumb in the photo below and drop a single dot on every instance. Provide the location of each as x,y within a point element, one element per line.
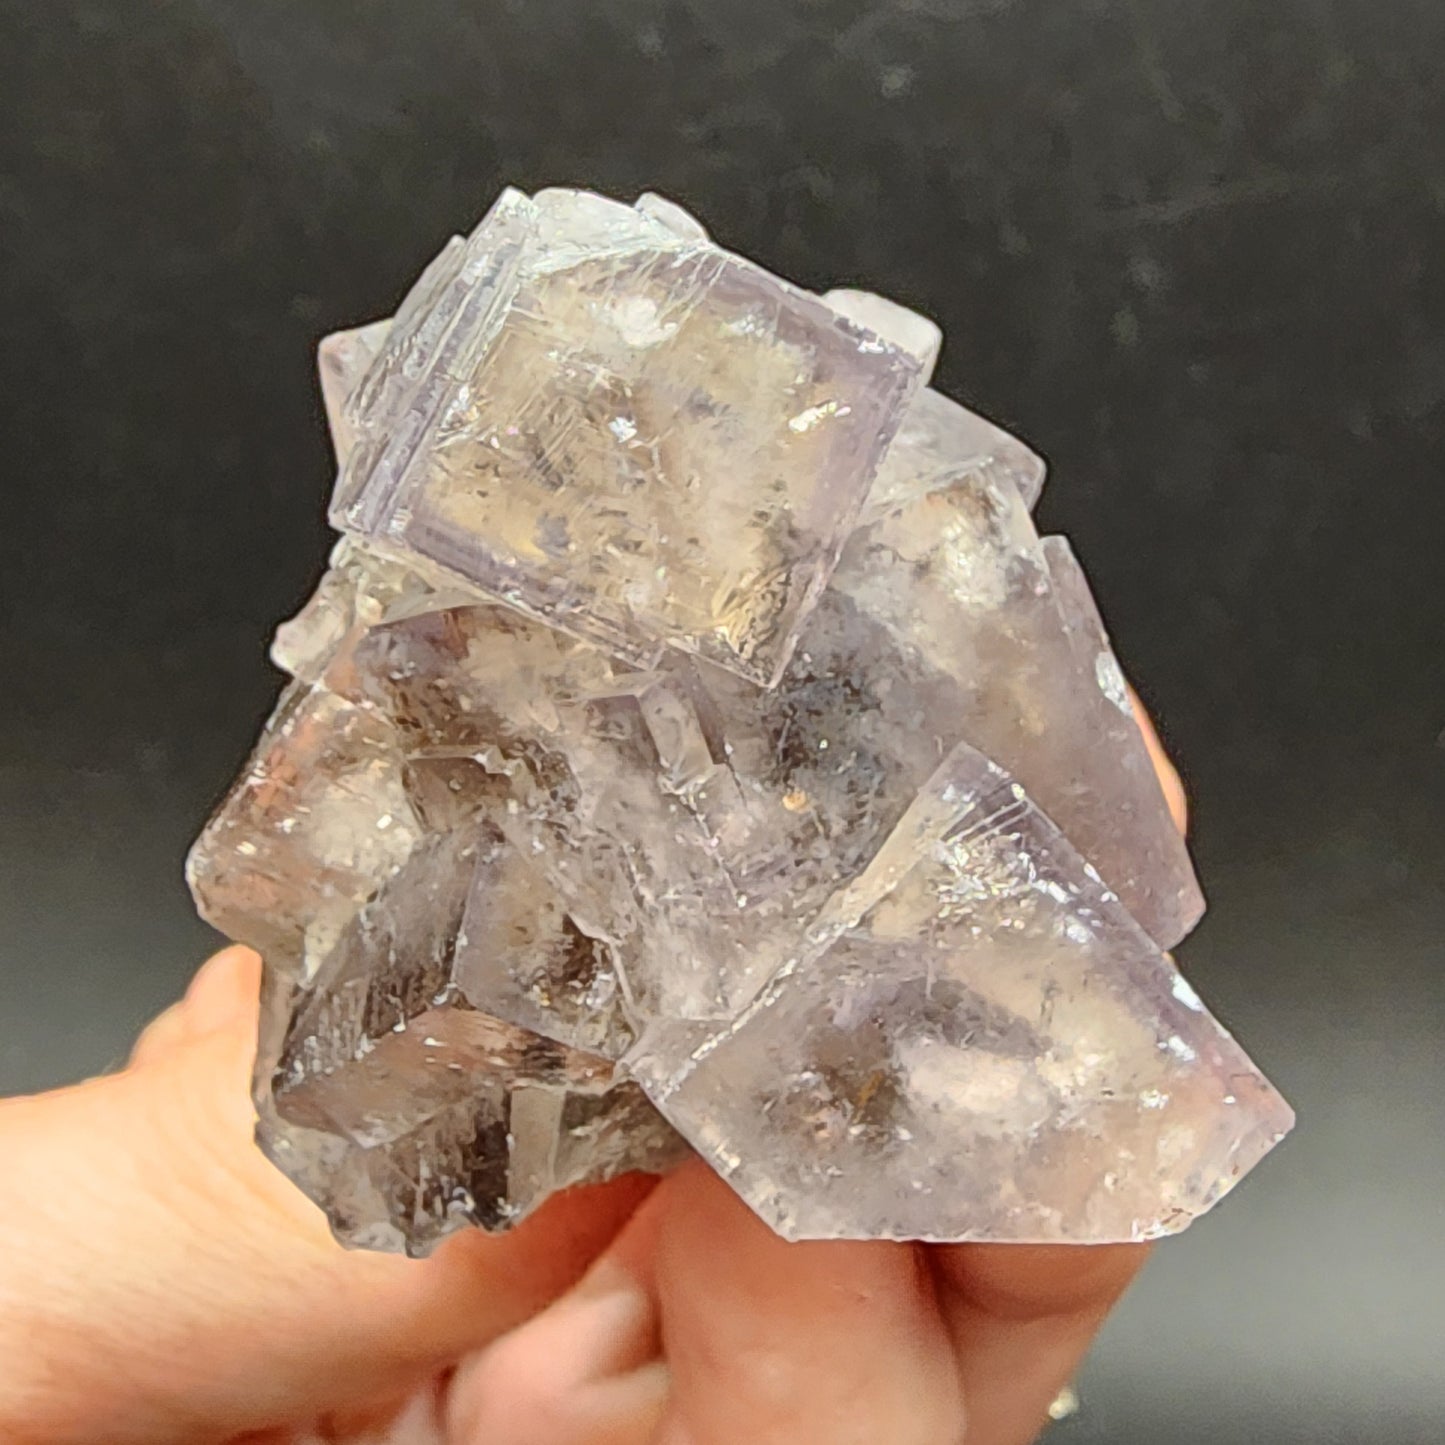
<point>160,1281</point>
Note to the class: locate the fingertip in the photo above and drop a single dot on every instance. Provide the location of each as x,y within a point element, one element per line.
<point>225,989</point>
<point>160,1036</point>
<point>223,995</point>
<point>1025,1282</point>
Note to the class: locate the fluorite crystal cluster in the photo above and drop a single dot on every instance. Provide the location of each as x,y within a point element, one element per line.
<point>693,746</point>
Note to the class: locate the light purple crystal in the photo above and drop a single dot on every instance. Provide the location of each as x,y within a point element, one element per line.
<point>623,430</point>
<point>994,1050</point>
<point>694,745</point>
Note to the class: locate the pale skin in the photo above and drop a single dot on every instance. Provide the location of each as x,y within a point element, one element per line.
<point>161,1282</point>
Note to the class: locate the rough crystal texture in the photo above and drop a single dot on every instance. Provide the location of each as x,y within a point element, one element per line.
<point>915,334</point>
<point>988,648</point>
<point>993,1050</point>
<point>624,430</point>
<point>342,359</point>
<point>371,877</point>
<point>939,442</point>
<point>693,744</point>
<point>447,1114</point>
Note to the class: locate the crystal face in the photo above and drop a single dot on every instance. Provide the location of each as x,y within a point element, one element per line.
<point>692,746</point>
<point>624,430</point>
<point>994,1050</point>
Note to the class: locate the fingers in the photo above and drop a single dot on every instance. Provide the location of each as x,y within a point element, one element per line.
<point>805,1344</point>
<point>1020,1318</point>
<point>585,1372</point>
<point>165,1032</point>
<point>622,1409</point>
<point>160,1281</point>
<point>416,1420</point>
<point>517,1409</point>
<point>794,1344</point>
<point>190,1271</point>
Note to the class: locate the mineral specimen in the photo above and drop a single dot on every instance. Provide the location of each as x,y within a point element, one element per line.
<point>693,746</point>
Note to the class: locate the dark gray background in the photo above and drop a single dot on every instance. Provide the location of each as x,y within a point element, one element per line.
<point>1194,251</point>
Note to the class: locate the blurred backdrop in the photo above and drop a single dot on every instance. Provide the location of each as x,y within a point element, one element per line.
<point>1194,253</point>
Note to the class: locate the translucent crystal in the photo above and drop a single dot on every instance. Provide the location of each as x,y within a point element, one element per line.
<point>362,588</point>
<point>319,819</point>
<point>939,442</point>
<point>624,430</point>
<point>383,1086</point>
<point>915,334</point>
<point>451,1116</point>
<point>636,792</point>
<point>342,359</point>
<point>991,648</point>
<point>670,214</point>
<point>604,778</point>
<point>995,1051</point>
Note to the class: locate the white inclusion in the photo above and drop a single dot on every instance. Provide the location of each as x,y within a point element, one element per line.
<point>1111,682</point>
<point>807,420</point>
<point>1153,1099</point>
<point>998,1094</point>
<point>638,323</point>
<point>1179,1049</point>
<point>623,428</point>
<point>1186,995</point>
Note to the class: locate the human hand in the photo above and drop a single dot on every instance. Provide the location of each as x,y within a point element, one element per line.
<point>161,1282</point>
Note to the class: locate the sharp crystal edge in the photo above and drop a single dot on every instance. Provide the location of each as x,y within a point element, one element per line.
<point>693,747</point>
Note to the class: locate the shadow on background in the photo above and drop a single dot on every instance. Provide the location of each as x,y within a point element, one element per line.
<point>1194,254</point>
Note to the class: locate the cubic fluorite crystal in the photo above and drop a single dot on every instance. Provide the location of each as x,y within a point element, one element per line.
<point>694,747</point>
